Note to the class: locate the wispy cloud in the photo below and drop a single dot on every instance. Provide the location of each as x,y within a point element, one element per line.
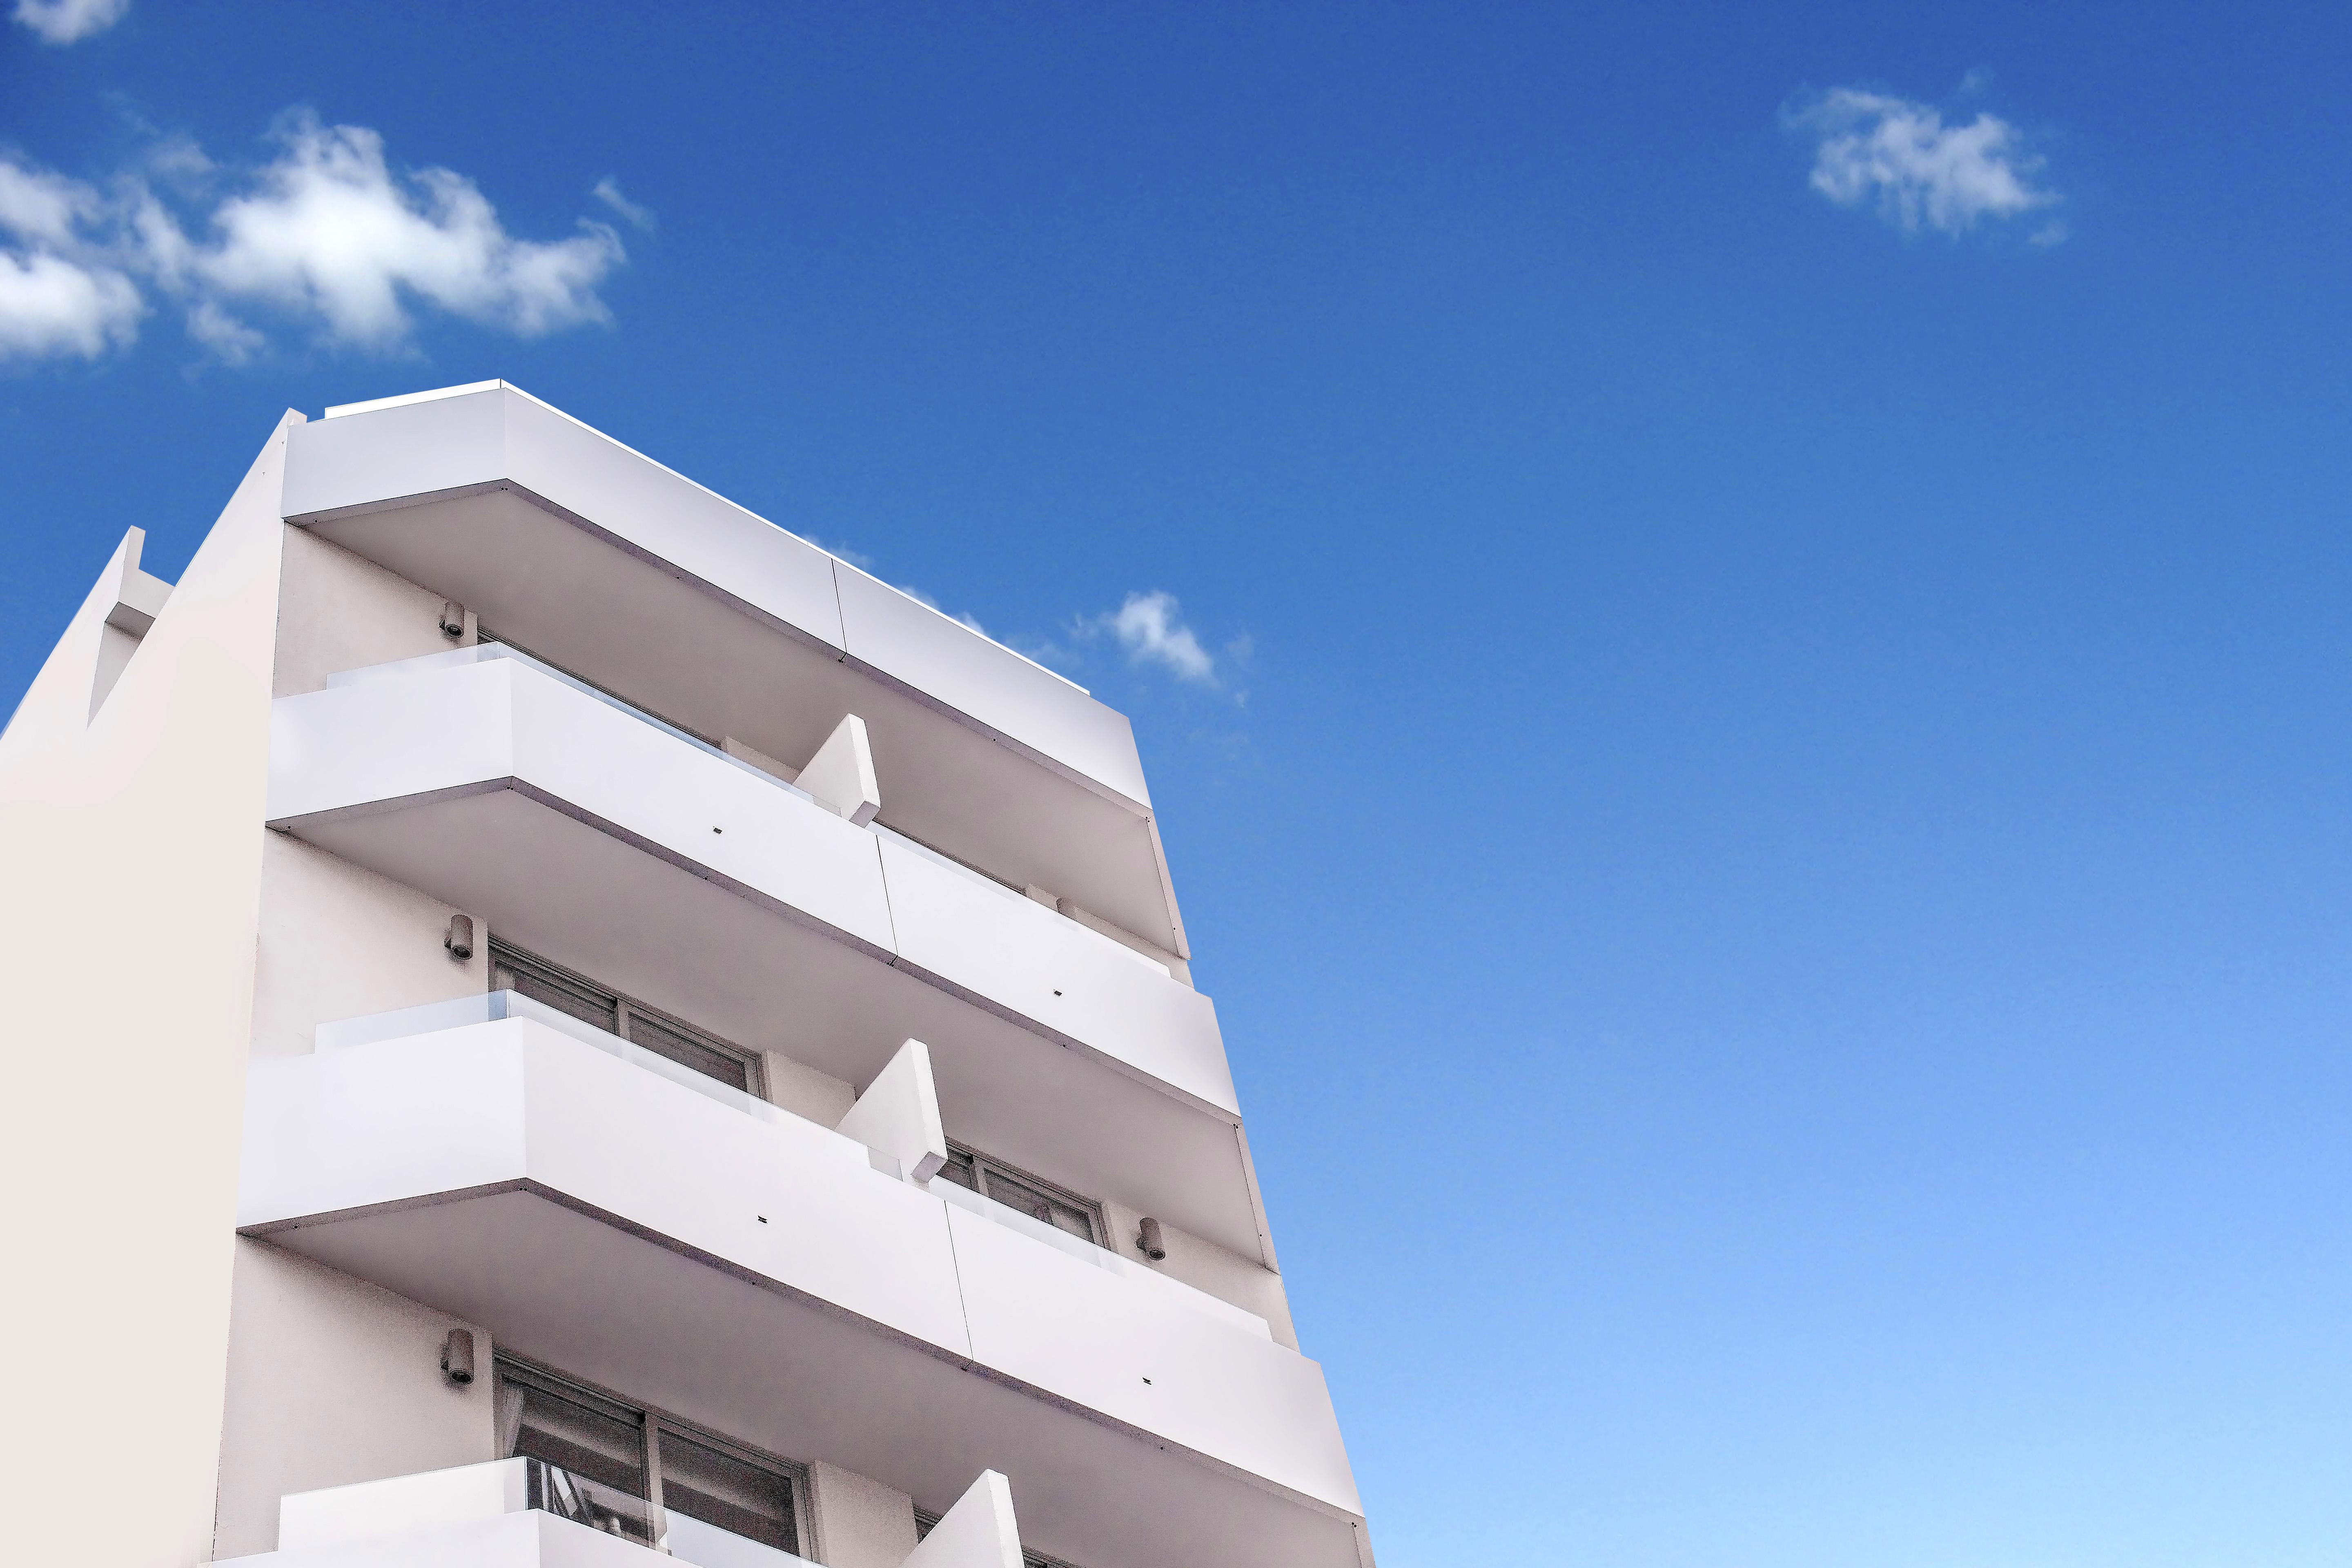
<point>1919,172</point>
<point>56,299</point>
<point>608,191</point>
<point>51,307</point>
<point>1150,628</point>
<point>330,233</point>
<point>64,21</point>
<point>326,237</point>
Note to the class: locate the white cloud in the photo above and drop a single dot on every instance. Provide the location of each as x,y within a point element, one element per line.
<point>1152,631</point>
<point>329,231</point>
<point>63,21</point>
<point>608,191</point>
<point>327,235</point>
<point>40,208</point>
<point>52,306</point>
<point>223,333</point>
<point>1920,171</point>
<point>57,296</point>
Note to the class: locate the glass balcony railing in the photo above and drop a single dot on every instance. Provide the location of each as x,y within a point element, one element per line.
<point>609,1511</point>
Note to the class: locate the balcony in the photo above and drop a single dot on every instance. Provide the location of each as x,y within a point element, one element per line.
<point>496,1006</point>
<point>676,1238</point>
<point>607,562</point>
<point>580,826</point>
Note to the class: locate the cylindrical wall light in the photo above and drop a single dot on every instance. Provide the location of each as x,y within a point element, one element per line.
<point>459,939</point>
<point>457,1356</point>
<point>1148,1241</point>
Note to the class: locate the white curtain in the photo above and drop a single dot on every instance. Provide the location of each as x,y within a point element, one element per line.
<point>508,1408</point>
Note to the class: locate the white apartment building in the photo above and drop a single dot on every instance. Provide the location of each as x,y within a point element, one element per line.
<point>555,1022</point>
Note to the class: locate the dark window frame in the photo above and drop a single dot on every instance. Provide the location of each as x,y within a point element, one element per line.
<point>652,1422</point>
<point>984,1166</point>
<point>627,1011</point>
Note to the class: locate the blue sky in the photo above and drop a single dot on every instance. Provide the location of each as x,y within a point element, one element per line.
<point>1739,616</point>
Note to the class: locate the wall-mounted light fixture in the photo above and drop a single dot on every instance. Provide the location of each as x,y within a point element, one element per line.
<point>1148,1241</point>
<point>453,619</point>
<point>459,939</point>
<point>457,1357</point>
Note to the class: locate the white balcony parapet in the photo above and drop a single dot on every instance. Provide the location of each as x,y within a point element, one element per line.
<point>492,1006</point>
<point>395,1507</point>
<point>899,1137</point>
<point>465,1517</point>
<point>488,652</point>
<point>368,468</point>
<point>425,732</point>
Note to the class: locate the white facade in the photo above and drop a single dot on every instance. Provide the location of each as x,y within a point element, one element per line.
<point>507,910</point>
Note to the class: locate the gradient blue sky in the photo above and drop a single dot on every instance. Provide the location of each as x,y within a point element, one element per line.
<point>1769,820</point>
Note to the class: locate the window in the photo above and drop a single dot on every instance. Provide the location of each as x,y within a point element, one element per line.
<point>1057,1207</point>
<point>618,1468</point>
<point>545,983</point>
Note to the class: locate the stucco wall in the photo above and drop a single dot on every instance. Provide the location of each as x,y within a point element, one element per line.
<point>338,612</point>
<point>337,941</point>
<point>131,849</point>
<point>804,1091</point>
<point>1205,1265</point>
<point>331,1381</point>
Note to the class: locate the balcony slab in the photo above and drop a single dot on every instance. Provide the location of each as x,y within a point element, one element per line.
<point>597,557</point>
<point>771,1284</point>
<point>697,884</point>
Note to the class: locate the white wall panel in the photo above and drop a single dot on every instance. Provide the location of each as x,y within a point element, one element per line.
<point>418,449</point>
<point>510,1541</point>
<point>433,1114</point>
<point>708,810</point>
<point>910,642</point>
<point>703,1175</point>
<point>1104,1343</point>
<point>390,740</point>
<point>1011,953</point>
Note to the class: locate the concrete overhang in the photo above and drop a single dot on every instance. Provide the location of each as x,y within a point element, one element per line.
<point>597,558</point>
<point>769,1283</point>
<point>703,887</point>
